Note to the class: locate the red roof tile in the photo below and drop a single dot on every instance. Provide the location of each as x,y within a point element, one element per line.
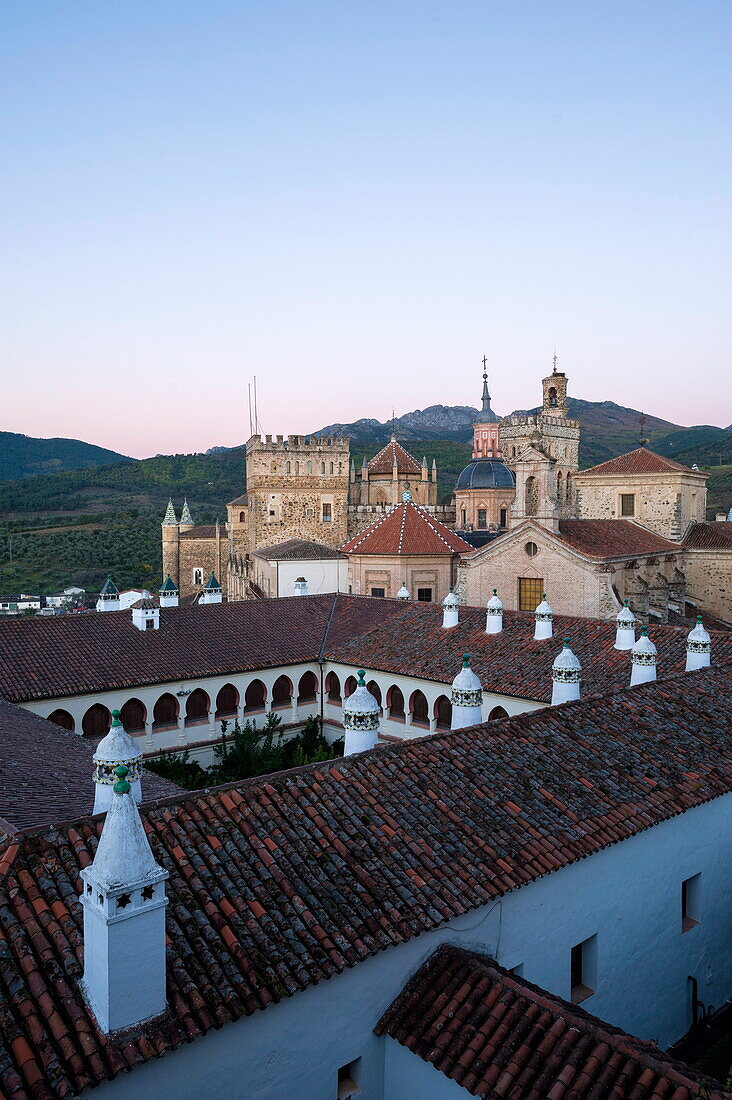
<point>639,461</point>
<point>407,529</point>
<point>383,462</point>
<point>604,539</point>
<point>281,882</point>
<point>497,1035</point>
<point>709,536</point>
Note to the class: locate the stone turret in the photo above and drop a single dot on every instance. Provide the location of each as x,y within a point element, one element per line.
<point>466,697</point>
<point>360,718</point>
<point>643,659</point>
<point>543,620</point>
<point>171,542</point>
<point>625,628</point>
<point>123,899</point>
<point>566,676</point>
<point>698,647</point>
<point>115,749</point>
<point>450,613</point>
<point>494,614</point>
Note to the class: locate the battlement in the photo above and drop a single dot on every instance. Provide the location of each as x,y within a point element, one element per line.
<point>539,420</point>
<point>287,444</point>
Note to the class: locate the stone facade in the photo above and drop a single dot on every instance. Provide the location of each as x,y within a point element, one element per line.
<point>664,502</point>
<point>191,554</point>
<point>709,580</point>
<point>386,575</point>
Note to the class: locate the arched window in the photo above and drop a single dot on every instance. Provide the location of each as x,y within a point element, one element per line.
<point>560,487</point>
<point>350,686</point>
<point>513,452</point>
<point>242,517</point>
<point>443,713</point>
<point>165,712</point>
<point>254,696</point>
<point>322,467</point>
<point>96,721</point>
<point>297,467</point>
<point>531,492</point>
<point>375,690</point>
<point>307,689</point>
<point>198,576</point>
<point>568,489</point>
<point>63,719</point>
<point>497,712</point>
<point>333,688</point>
<point>197,707</point>
<point>331,467</point>
<point>552,397</point>
<point>420,712</point>
<point>133,715</point>
<point>288,467</point>
<point>395,703</point>
<point>308,467</point>
<point>282,692</point>
<point>227,701</point>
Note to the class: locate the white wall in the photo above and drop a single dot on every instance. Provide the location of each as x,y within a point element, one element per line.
<point>409,1077</point>
<point>628,895</point>
<point>329,575</point>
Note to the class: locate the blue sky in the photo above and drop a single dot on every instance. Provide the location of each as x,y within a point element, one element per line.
<point>355,202</point>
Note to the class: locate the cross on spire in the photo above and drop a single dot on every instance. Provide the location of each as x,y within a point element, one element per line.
<point>485,368</point>
<point>555,361</point>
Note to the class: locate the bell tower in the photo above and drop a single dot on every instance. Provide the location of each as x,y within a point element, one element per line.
<point>555,392</point>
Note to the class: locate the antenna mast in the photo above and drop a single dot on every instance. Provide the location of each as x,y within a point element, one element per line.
<point>249,391</point>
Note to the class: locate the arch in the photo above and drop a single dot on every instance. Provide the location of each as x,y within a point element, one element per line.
<point>395,702</point>
<point>96,721</point>
<point>350,686</point>
<point>375,690</point>
<point>133,715</point>
<point>297,467</point>
<point>307,689</point>
<point>242,517</point>
<point>227,702</point>
<point>255,696</point>
<point>568,485</point>
<point>333,688</point>
<point>552,395</point>
<point>197,705</point>
<point>288,467</point>
<point>496,713</point>
<point>560,487</point>
<point>380,497</point>
<point>282,692</point>
<point>443,713</point>
<point>198,576</point>
<point>166,711</point>
<point>331,467</point>
<point>63,719</point>
<point>419,709</point>
<point>531,495</point>
<point>322,467</point>
<point>308,467</point>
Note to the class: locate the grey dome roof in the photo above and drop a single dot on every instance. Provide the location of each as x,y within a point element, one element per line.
<point>486,473</point>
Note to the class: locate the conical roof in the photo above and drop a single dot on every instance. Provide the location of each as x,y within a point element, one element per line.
<point>213,585</point>
<point>644,646</point>
<point>699,634</point>
<point>185,516</point>
<point>566,661</point>
<point>168,587</point>
<point>625,616</point>
<point>451,600</point>
<point>544,610</point>
<point>494,603</point>
<point>403,593</point>
<point>118,747</point>
<point>486,414</point>
<point>169,519</point>
<point>109,588</point>
<point>466,680</point>
<point>393,454</point>
<point>123,855</point>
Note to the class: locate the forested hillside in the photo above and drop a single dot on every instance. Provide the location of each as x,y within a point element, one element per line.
<point>25,455</point>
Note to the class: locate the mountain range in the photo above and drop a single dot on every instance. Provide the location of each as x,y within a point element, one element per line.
<point>26,455</point>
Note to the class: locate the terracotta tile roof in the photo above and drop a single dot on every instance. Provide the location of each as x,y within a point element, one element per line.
<point>297,550</point>
<point>639,461</point>
<point>242,501</point>
<point>46,772</point>
<point>205,531</point>
<point>74,654</point>
<point>605,539</point>
<point>407,529</point>
<point>510,663</point>
<point>383,462</point>
<point>709,536</point>
<point>281,882</point>
<point>498,1035</point>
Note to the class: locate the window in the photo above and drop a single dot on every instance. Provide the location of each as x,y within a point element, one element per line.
<point>378,591</point>
<point>583,970</point>
<point>690,902</point>
<point>627,504</point>
<point>198,576</point>
<point>463,518</point>
<point>504,517</point>
<point>327,512</point>
<point>531,549</point>
<point>348,1080</point>
<point>424,595</point>
<point>530,590</point>
<point>482,517</point>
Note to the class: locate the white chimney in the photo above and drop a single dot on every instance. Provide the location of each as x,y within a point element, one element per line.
<point>466,697</point>
<point>115,749</point>
<point>403,593</point>
<point>360,718</point>
<point>145,614</point>
<point>566,676</point>
<point>123,898</point>
<point>543,620</point>
<point>211,591</point>
<point>108,597</point>
<point>698,647</point>
<point>494,615</point>
<point>169,593</point>
<point>301,587</point>
<point>625,628</point>
<point>643,658</point>
<point>450,614</point>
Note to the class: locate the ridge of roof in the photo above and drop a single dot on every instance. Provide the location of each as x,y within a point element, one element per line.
<point>638,461</point>
<point>383,461</point>
<point>407,529</point>
<point>605,539</point>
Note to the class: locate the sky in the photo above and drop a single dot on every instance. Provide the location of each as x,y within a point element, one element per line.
<point>355,202</point>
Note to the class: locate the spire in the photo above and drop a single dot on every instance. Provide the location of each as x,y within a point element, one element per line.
<point>123,898</point>
<point>466,697</point>
<point>186,519</point>
<point>450,613</point>
<point>698,647</point>
<point>115,749</point>
<point>486,414</point>
<point>543,620</point>
<point>625,628</point>
<point>169,519</point>
<point>566,676</point>
<point>494,614</point>
<point>360,718</point>
<point>643,658</point>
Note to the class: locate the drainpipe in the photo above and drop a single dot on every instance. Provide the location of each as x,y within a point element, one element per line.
<point>321,660</point>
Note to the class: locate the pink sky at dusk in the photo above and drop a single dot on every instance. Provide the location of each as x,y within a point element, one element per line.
<point>355,203</point>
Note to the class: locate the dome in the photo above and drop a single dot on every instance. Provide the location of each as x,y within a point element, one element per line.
<point>494,603</point>
<point>360,705</point>
<point>699,636</point>
<point>486,473</point>
<point>644,648</point>
<point>566,661</point>
<point>625,617</point>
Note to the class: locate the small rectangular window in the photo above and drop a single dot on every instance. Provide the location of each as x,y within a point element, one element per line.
<point>378,591</point>
<point>327,512</point>
<point>348,1080</point>
<point>627,504</point>
<point>424,595</point>
<point>583,970</point>
<point>690,902</point>
<point>482,517</point>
